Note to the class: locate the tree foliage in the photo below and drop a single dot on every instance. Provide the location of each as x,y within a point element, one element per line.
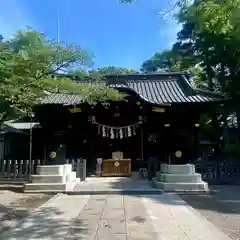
<point>101,72</point>
<point>208,44</point>
<point>219,17</point>
<point>175,4</point>
<point>27,65</point>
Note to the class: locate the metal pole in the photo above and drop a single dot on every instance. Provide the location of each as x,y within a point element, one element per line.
<point>30,152</point>
<point>44,155</point>
<point>58,26</point>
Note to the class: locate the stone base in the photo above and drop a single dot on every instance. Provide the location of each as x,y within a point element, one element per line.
<point>54,178</point>
<point>49,187</point>
<point>181,187</point>
<point>179,178</point>
<point>183,178</point>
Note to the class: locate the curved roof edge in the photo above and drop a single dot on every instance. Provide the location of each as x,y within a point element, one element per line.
<point>206,92</point>
<point>165,88</point>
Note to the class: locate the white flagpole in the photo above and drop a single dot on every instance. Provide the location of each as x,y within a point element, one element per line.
<point>58,26</point>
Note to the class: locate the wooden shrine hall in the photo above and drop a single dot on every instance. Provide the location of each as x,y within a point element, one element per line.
<point>159,117</point>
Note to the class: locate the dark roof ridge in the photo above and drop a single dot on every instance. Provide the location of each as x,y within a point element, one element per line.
<point>135,76</point>
<point>201,91</point>
<point>149,74</point>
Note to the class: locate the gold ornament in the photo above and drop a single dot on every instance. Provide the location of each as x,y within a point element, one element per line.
<point>178,154</point>
<point>53,154</point>
<point>116,164</point>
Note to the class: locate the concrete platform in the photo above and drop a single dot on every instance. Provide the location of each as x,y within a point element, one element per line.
<point>183,178</point>
<point>54,178</point>
<point>179,178</point>
<point>181,186</point>
<point>50,187</point>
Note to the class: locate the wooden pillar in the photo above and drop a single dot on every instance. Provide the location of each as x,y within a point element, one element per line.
<point>216,133</point>
<point>142,144</point>
<point>91,151</point>
<point>195,154</point>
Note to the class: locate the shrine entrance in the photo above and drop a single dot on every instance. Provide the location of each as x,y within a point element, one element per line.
<point>119,147</point>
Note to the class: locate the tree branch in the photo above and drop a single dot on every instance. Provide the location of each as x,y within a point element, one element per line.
<point>57,69</point>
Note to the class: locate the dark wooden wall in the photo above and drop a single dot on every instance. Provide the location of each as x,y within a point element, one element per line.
<point>81,137</point>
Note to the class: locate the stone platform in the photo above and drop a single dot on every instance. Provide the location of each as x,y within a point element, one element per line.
<point>179,178</point>
<point>53,178</point>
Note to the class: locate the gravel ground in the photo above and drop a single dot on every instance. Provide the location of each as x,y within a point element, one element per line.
<point>221,207</point>
<point>11,213</point>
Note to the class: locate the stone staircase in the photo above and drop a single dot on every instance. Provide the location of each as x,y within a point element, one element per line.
<point>179,178</point>
<point>53,178</point>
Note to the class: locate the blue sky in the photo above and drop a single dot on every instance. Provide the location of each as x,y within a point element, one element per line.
<point>118,35</point>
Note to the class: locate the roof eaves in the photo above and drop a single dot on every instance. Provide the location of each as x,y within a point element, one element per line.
<point>220,96</point>
<point>22,125</point>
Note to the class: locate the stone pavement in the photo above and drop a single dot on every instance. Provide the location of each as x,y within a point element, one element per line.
<point>222,208</point>
<point>109,185</point>
<point>6,197</point>
<point>115,217</point>
<point>15,206</point>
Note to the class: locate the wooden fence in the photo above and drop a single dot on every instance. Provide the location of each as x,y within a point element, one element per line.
<point>78,166</point>
<point>19,169</point>
<point>219,173</point>
<point>212,172</point>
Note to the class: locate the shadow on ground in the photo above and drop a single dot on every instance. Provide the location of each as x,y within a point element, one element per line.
<point>44,223</point>
<point>17,188</point>
<point>221,205</point>
<point>222,199</point>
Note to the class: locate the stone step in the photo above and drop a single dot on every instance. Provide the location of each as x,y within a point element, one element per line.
<point>179,178</point>
<point>71,177</point>
<point>180,186</point>
<point>177,169</point>
<point>53,178</point>
<point>54,169</point>
<point>48,179</point>
<point>49,187</point>
<point>135,192</point>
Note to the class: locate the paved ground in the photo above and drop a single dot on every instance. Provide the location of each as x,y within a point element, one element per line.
<point>115,217</point>
<point>114,183</point>
<point>15,206</point>
<point>222,208</point>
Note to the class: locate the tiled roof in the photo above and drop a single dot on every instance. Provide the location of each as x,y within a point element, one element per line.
<point>62,98</point>
<point>169,91</point>
<point>21,125</point>
<point>159,89</point>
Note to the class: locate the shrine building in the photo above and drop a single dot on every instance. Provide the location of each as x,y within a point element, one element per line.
<point>159,118</point>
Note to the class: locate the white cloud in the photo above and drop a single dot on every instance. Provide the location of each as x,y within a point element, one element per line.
<point>12,18</point>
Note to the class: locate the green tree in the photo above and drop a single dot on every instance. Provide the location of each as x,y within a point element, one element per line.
<point>174,60</point>
<point>165,61</point>
<point>115,70</point>
<point>211,28</point>
<point>100,73</point>
<point>175,4</point>
<point>219,17</point>
<point>27,65</point>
